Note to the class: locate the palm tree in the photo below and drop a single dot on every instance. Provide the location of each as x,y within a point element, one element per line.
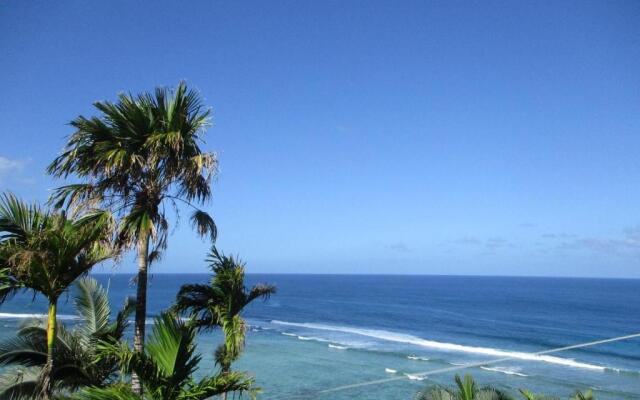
<point>46,252</point>
<point>528,395</point>
<point>221,303</point>
<point>74,363</point>
<point>466,389</point>
<point>588,395</point>
<point>166,367</point>
<point>140,156</point>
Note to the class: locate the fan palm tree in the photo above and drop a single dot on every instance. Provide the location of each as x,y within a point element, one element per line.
<point>140,155</point>
<point>74,363</point>
<point>220,304</point>
<point>166,368</point>
<point>46,252</point>
<point>466,389</point>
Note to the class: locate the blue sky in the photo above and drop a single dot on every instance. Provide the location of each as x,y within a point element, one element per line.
<point>364,137</point>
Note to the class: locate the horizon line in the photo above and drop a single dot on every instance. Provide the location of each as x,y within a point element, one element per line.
<point>382,274</point>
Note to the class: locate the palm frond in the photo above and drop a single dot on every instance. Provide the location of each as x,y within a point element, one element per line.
<point>261,290</point>
<point>171,345</point>
<point>466,387</point>
<point>19,384</point>
<point>588,395</point>
<point>9,284</point>
<point>204,224</point>
<point>236,382</point>
<point>436,393</point>
<point>115,392</point>
<point>92,304</point>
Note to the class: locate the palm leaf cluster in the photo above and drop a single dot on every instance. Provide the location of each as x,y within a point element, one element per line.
<point>220,303</point>
<point>45,251</point>
<point>467,389</point>
<point>138,157</point>
<point>140,152</point>
<point>166,367</point>
<point>74,363</point>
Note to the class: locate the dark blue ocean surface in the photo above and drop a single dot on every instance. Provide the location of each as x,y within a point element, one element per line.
<point>324,331</point>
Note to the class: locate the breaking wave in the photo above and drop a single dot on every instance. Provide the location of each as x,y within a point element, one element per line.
<point>508,371</point>
<point>64,317</point>
<point>417,341</point>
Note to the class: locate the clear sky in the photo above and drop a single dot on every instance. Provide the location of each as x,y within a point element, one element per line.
<point>364,136</point>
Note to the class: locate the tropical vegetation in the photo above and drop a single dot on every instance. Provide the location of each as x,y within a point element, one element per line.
<point>140,157</point>
<point>221,302</point>
<point>467,389</point>
<point>166,367</point>
<point>75,363</point>
<point>45,252</point>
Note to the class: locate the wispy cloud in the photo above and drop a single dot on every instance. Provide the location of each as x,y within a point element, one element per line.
<point>493,243</point>
<point>559,236</point>
<point>628,243</point>
<point>399,247</point>
<point>468,240</point>
<point>9,166</point>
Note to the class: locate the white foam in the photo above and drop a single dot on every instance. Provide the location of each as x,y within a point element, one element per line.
<point>315,339</point>
<point>416,358</point>
<point>333,346</point>
<point>390,371</point>
<point>508,371</point>
<point>289,334</point>
<point>36,316</point>
<point>414,340</point>
<point>415,377</point>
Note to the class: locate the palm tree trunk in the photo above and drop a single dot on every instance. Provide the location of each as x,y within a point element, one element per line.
<point>141,304</point>
<point>45,380</point>
<point>51,330</point>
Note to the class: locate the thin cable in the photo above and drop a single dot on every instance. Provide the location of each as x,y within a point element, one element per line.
<point>472,365</point>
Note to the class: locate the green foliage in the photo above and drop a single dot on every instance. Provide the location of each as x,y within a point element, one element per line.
<point>75,362</point>
<point>467,389</point>
<point>141,152</point>
<point>220,303</point>
<point>45,251</point>
<point>166,367</point>
<point>588,395</point>
<point>528,395</point>
<point>138,157</point>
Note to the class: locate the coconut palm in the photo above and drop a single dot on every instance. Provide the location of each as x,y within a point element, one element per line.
<point>45,252</point>
<point>166,368</point>
<point>466,389</point>
<point>74,363</point>
<point>140,156</point>
<point>220,304</point>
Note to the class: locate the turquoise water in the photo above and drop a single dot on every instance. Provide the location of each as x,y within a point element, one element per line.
<point>324,331</point>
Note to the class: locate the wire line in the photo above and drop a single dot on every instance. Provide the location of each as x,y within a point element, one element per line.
<point>471,365</point>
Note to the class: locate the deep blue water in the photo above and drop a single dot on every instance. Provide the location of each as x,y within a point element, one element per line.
<point>324,331</point>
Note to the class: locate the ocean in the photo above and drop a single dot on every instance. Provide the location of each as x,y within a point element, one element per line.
<point>322,332</point>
